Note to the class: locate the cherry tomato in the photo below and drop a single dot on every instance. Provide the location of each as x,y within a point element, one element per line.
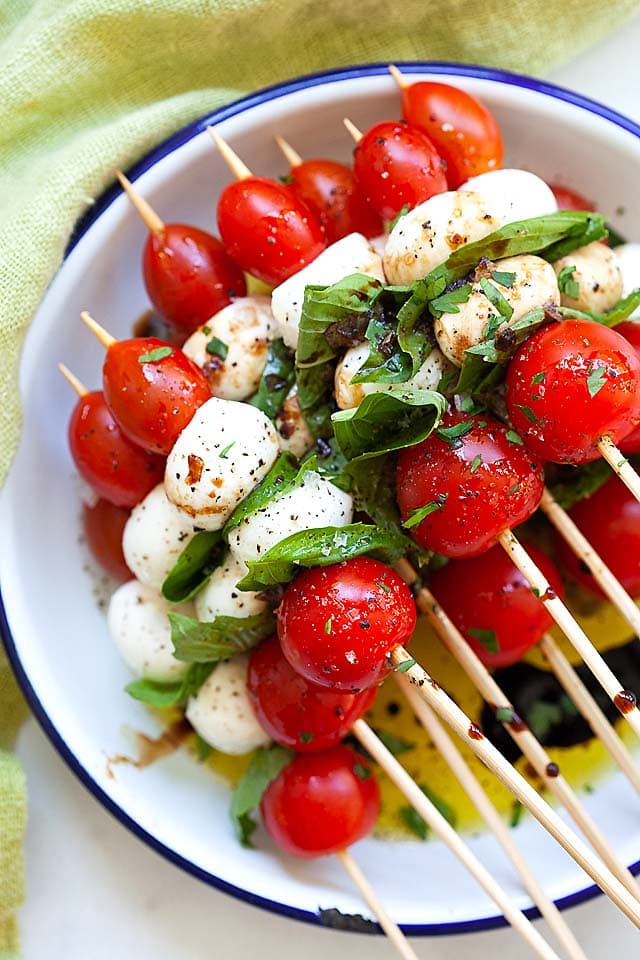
<point>152,401</point>
<point>610,520</point>
<point>477,480</point>
<point>294,712</point>
<point>570,384</point>
<point>464,132</point>
<point>630,330</point>
<point>396,165</point>
<point>492,604</point>
<point>267,230</point>
<point>328,189</point>
<point>112,465</point>
<point>337,624</point>
<point>103,527</point>
<point>321,803</point>
<point>189,276</point>
<point>570,200</point>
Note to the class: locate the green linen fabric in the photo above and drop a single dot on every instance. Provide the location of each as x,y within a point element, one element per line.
<point>89,85</point>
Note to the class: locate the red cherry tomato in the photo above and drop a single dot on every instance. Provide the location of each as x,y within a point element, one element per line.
<point>112,465</point>
<point>480,484</point>
<point>570,200</point>
<point>321,803</point>
<point>294,712</point>
<point>337,624</point>
<point>152,401</point>
<point>103,527</point>
<point>610,520</point>
<point>396,165</point>
<point>328,189</point>
<point>267,230</point>
<point>570,384</point>
<point>493,605</point>
<point>630,330</point>
<point>189,276</point>
<point>464,132</point>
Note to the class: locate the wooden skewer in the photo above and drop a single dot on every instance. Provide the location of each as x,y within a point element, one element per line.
<point>147,214</point>
<point>103,336</point>
<point>588,707</point>
<point>292,156</point>
<point>620,465</point>
<point>239,169</point>
<point>353,130</point>
<point>610,585</point>
<point>370,897</point>
<point>397,76</point>
<point>471,785</point>
<point>623,699</point>
<point>76,384</point>
<point>519,732</point>
<point>445,832</point>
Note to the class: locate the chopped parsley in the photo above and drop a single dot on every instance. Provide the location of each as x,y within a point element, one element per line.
<point>514,489</point>
<point>487,638</point>
<point>492,294</point>
<point>328,625</point>
<point>421,513</point>
<point>217,348</point>
<point>477,462</point>
<point>568,284</point>
<point>458,430</point>
<point>383,585</point>
<point>538,378</point>
<point>504,278</point>
<point>206,331</point>
<point>223,453</point>
<point>528,412</point>
<point>306,737</point>
<point>514,438</point>
<point>448,302</point>
<point>596,380</point>
<point>405,665</point>
<point>154,355</point>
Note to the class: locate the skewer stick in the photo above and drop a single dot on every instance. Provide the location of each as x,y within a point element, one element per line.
<point>370,897</point>
<point>239,169</point>
<point>353,130</point>
<point>620,465</point>
<point>103,336</point>
<point>519,732</point>
<point>445,832</point>
<point>397,76</point>
<point>609,584</point>
<point>148,215</point>
<point>588,707</point>
<point>76,384</point>
<point>623,699</point>
<point>471,785</point>
<point>292,156</point>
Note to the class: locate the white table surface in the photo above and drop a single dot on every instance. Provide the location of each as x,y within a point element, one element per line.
<point>95,892</point>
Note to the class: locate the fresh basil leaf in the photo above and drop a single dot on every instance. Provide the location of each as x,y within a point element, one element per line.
<point>320,548</point>
<point>193,567</point>
<point>615,239</point>
<point>347,302</point>
<point>387,421</point>
<point>277,481</point>
<point>264,767</point>
<point>315,392</point>
<point>622,310</point>
<point>165,695</point>
<point>386,362</point>
<point>277,379</point>
<point>504,277</point>
<point>448,302</point>
<point>567,283</point>
<point>196,641</point>
<point>487,638</point>
<point>483,367</point>
<point>217,348</point>
<point>154,356</point>
<point>596,380</point>
<point>416,516</point>
<point>402,212</point>
<point>571,484</point>
<point>492,294</point>
<point>415,333</point>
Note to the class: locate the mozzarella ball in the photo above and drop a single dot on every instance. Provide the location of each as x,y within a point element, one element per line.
<point>218,459</point>
<point>315,502</point>
<point>245,327</point>
<point>598,276</point>
<point>628,257</point>
<point>221,598</point>
<point>351,254</point>
<point>513,194</point>
<point>534,286</point>
<point>154,536</point>
<point>139,627</point>
<point>221,711</point>
<point>350,394</point>
<point>293,433</point>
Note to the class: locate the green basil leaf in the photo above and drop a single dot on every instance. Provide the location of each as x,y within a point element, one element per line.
<point>277,481</point>
<point>487,638</point>
<point>483,367</point>
<point>567,283</point>
<point>415,334</point>
<point>503,277</point>
<point>315,393</point>
<point>196,641</point>
<point>324,307</point>
<point>387,421</point>
<point>615,239</point>
<point>571,484</point>
<point>277,379</point>
<point>492,294</point>
<point>386,362</point>
<point>217,348</point>
<point>448,302</point>
<point>154,356</point>
<point>165,695</point>
<point>264,767</point>
<point>622,310</point>
<point>193,567</point>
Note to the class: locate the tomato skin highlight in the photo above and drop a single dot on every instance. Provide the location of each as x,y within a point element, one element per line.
<point>337,624</point>
<point>103,525</point>
<point>488,592</point>
<point>610,520</point>
<point>118,470</point>
<point>630,330</point>
<point>189,276</point>
<point>570,200</point>
<point>396,165</point>
<point>295,712</point>
<point>480,498</point>
<point>328,188</point>
<point>267,230</point>
<point>464,132</point>
<point>152,402</point>
<point>549,398</point>
<point>321,803</point>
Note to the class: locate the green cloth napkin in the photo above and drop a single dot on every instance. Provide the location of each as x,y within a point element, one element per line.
<point>89,85</point>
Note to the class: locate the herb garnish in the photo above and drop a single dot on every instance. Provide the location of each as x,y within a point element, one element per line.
<point>528,412</point>
<point>596,380</point>
<point>265,766</point>
<point>217,348</point>
<point>223,453</point>
<point>421,513</point>
<point>153,356</point>
<point>568,284</point>
<point>405,666</point>
<point>492,294</point>
<point>514,438</point>
<point>487,638</point>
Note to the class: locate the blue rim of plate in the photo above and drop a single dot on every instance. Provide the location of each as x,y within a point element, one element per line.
<point>83,225</point>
